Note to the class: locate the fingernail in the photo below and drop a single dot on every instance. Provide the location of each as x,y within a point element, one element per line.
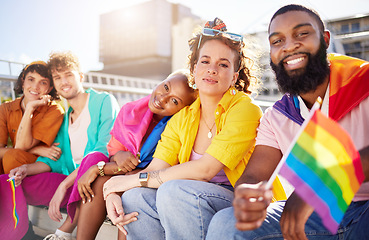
<point>93,196</point>
<point>83,202</point>
<point>89,200</point>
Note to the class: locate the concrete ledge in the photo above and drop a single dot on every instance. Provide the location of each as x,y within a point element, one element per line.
<point>44,226</point>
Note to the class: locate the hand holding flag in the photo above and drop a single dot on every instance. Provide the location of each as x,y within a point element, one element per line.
<point>15,214</point>
<point>10,179</point>
<point>323,166</point>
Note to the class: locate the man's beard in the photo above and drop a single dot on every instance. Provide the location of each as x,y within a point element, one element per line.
<point>303,80</point>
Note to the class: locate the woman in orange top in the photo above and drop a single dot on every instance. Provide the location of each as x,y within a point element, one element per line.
<point>31,121</point>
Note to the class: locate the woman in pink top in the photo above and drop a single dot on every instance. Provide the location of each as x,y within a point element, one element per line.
<point>135,134</point>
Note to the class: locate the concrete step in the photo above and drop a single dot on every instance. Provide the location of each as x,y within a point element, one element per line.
<point>43,225</point>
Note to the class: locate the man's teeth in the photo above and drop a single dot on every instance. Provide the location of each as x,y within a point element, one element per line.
<point>294,61</point>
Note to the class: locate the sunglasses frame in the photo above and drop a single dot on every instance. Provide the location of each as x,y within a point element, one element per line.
<point>213,32</point>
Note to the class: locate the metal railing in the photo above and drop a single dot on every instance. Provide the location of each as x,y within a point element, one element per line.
<point>9,72</point>
<point>10,68</point>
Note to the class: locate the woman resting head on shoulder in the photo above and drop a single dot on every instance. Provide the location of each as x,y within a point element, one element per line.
<point>134,136</point>
<point>202,152</point>
<point>166,99</point>
<point>172,94</point>
<point>34,116</point>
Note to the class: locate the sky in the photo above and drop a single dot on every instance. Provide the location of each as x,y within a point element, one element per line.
<point>30,30</point>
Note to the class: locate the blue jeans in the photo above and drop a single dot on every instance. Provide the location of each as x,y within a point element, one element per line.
<point>179,209</point>
<point>354,225</point>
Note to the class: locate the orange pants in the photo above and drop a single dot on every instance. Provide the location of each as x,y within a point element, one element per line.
<point>14,158</point>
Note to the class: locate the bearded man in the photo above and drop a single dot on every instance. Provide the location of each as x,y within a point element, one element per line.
<point>304,72</point>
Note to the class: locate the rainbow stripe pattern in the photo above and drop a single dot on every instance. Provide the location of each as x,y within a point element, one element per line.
<point>325,169</point>
<point>15,214</point>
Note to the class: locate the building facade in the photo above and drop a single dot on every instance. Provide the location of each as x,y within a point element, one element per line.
<point>353,33</point>
<point>150,40</point>
<point>269,89</point>
<point>138,40</point>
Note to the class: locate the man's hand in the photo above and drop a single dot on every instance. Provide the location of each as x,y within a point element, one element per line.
<point>116,214</point>
<point>295,214</point>
<point>56,200</point>
<point>53,152</point>
<point>84,184</point>
<point>126,161</point>
<point>250,205</point>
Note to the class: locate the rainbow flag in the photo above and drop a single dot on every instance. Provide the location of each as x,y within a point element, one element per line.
<point>15,214</point>
<point>324,167</point>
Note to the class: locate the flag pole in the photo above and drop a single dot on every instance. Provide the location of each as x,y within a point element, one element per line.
<point>315,107</point>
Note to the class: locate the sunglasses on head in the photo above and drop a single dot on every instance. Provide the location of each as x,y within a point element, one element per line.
<point>213,32</point>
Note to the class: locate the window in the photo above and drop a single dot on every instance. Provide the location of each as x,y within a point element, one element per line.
<point>275,91</point>
<point>344,28</point>
<point>265,91</point>
<point>355,27</point>
<point>357,45</point>
<point>357,55</point>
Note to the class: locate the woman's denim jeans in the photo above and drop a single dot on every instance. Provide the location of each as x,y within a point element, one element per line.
<point>179,209</point>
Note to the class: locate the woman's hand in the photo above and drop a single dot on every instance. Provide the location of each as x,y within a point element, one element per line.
<point>120,184</point>
<point>45,99</point>
<point>56,200</point>
<point>116,214</point>
<point>20,173</point>
<point>84,183</point>
<point>53,152</point>
<point>126,161</point>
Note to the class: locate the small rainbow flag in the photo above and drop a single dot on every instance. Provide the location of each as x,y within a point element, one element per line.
<point>324,166</point>
<point>15,214</point>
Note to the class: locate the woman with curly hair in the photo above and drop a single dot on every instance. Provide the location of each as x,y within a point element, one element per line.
<point>31,121</point>
<point>203,149</point>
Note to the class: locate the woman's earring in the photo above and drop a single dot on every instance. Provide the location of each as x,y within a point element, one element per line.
<point>193,86</point>
<point>232,90</point>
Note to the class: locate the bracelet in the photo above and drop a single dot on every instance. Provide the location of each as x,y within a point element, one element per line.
<point>119,170</point>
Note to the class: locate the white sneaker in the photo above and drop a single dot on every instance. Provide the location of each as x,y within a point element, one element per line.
<point>53,236</point>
